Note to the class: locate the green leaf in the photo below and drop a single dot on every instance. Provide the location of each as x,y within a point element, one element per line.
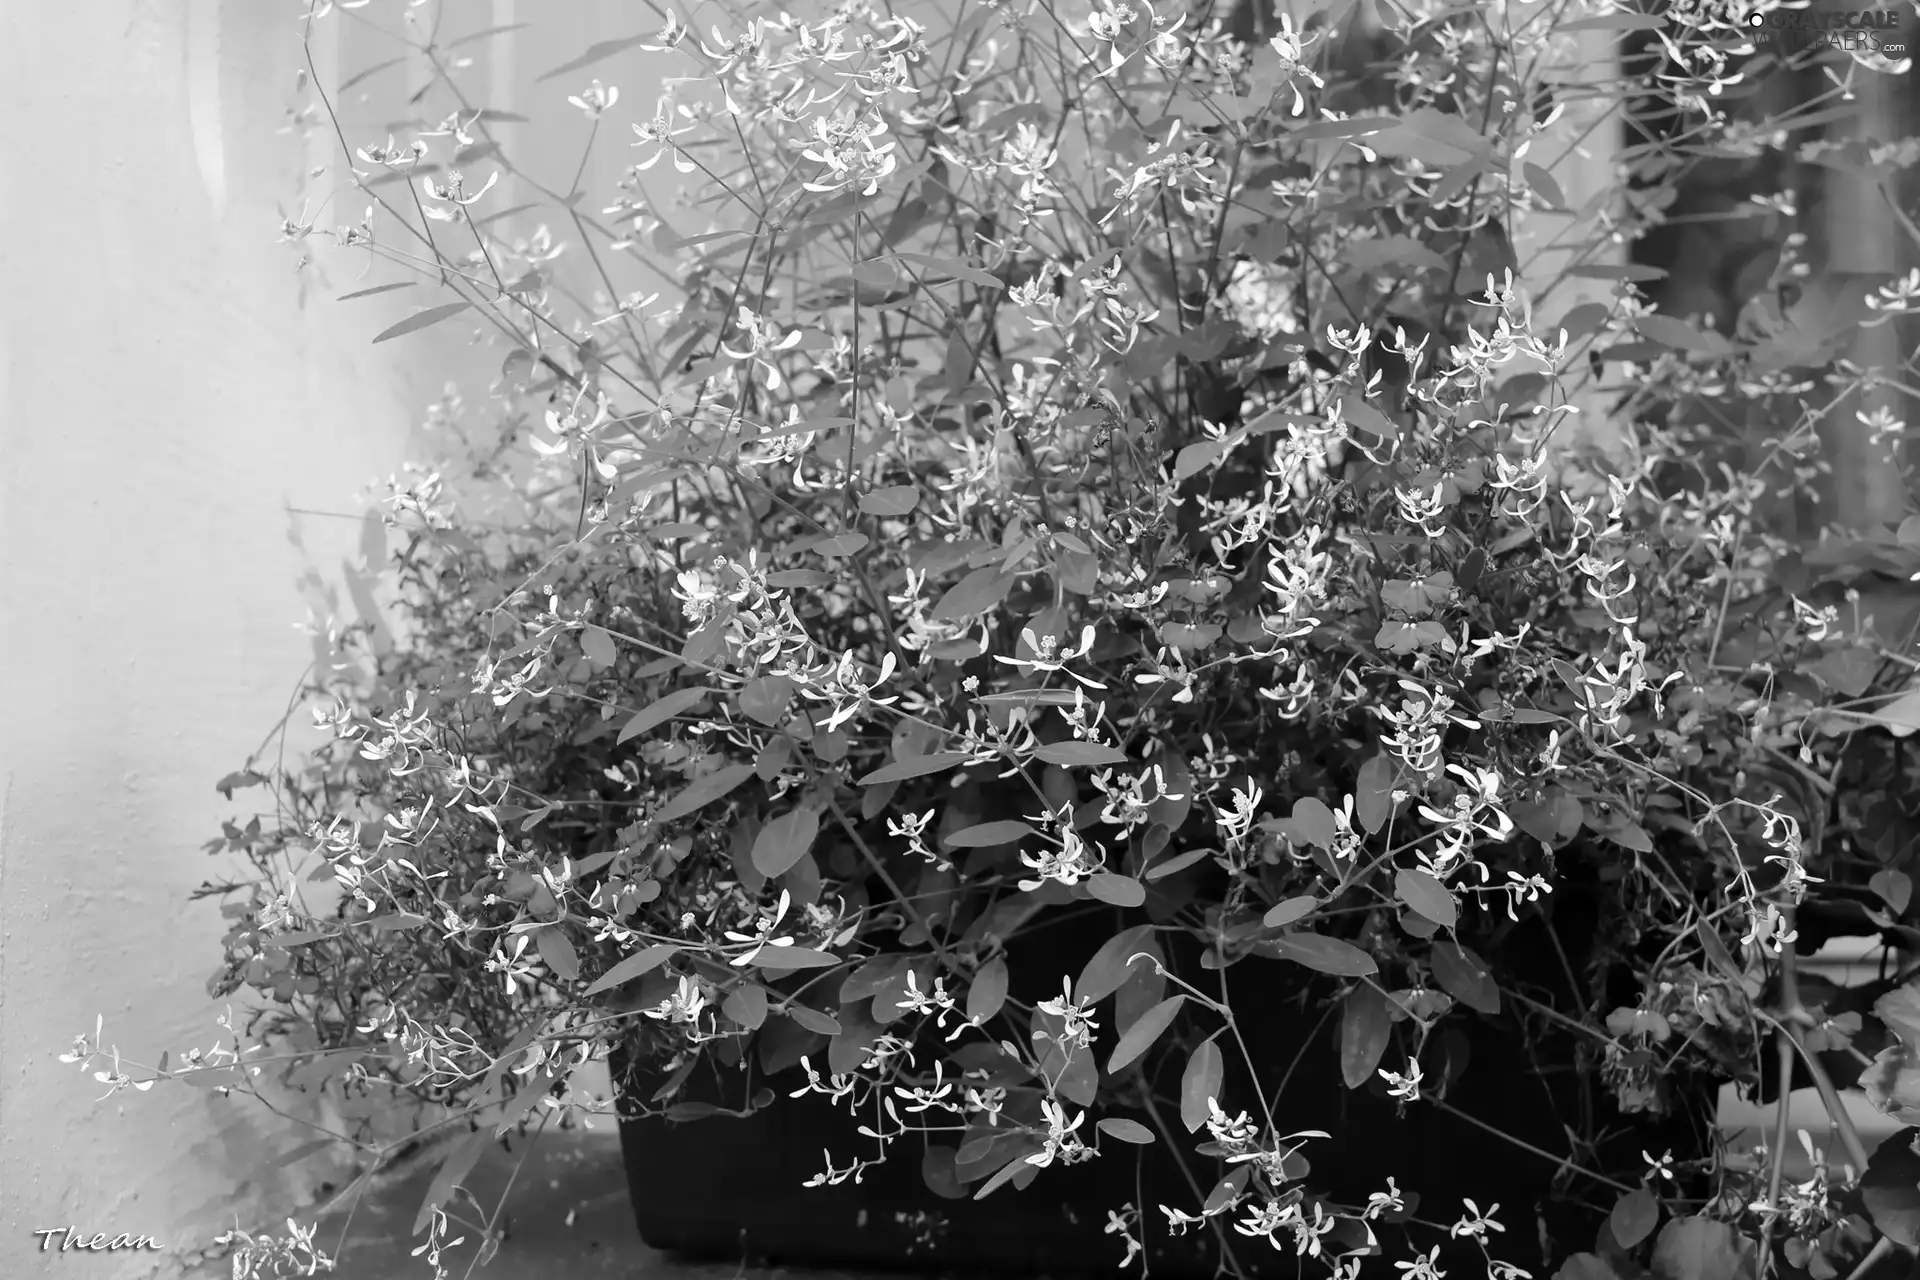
<point>1901,717</point>
<point>1365,1026</point>
<point>1544,185</point>
<point>785,840</point>
<point>1109,967</point>
<point>1197,457</point>
<point>1894,888</point>
<point>1890,1189</point>
<point>379,288</point>
<point>1179,862</point>
<point>1464,976</point>
<point>597,52</point>
<point>1373,793</point>
<point>420,320</point>
<point>1199,1083</point>
<point>895,500</point>
<point>1353,127</point>
<point>956,268</point>
<point>1586,1266</point>
<point>913,767</point>
<point>845,544</point>
<point>1848,671</point>
<point>1615,22</point>
<point>1314,822</point>
<point>300,1152</point>
<point>1321,954</point>
<point>704,791</point>
<point>635,965</point>
<point>984,835</point>
<point>988,994</point>
<point>662,709</point>
<point>557,950</point>
<point>1892,1081</point>
<point>1700,1248</point>
<point>1143,1034</point>
<point>453,1171</point>
<point>1287,912</point>
<point>1358,413</point>
<point>747,1005</point>
<point>1126,1130</point>
<point>1117,890</point>
<point>976,593</point>
<point>765,698</point>
<point>1427,896</point>
<point>787,959</point>
<point>1008,1171</point>
<point>1068,754</point>
<point>813,1020</point>
<point>1669,332</point>
<point>1634,1217</point>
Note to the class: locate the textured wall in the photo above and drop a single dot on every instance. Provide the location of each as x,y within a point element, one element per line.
<point>169,387</point>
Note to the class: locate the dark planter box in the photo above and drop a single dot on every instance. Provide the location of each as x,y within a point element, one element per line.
<point>728,1188</point>
<point>723,1187</point>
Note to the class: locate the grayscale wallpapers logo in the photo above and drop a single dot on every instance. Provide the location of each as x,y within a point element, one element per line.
<point>1875,31</point>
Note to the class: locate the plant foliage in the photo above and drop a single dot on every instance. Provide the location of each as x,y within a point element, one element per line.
<point>1100,473</point>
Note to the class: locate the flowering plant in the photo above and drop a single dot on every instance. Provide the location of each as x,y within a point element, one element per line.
<point>1096,471</point>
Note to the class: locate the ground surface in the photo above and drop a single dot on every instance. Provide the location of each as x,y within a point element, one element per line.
<point>568,1218</point>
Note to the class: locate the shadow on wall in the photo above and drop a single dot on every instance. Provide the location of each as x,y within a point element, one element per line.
<point>172,388</point>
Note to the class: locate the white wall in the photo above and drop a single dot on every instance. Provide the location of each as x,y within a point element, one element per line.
<point>169,386</point>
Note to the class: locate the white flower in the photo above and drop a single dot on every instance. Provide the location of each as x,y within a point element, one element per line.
<point>596,99</point>
<point>1404,1087</point>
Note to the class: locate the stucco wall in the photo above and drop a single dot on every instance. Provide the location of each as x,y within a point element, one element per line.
<point>170,386</point>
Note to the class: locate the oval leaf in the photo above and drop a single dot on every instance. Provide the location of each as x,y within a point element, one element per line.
<point>1464,976</point>
<point>704,791</point>
<point>913,767</point>
<point>985,835</point>
<point>661,709</point>
<point>1365,1026</point>
<point>765,698</point>
<point>1147,1029</point>
<point>787,959</point>
<point>1117,890</point>
<point>747,1005</point>
<point>1126,1130</point>
<point>1179,862</point>
<point>784,841</point>
<point>1199,1084</point>
<point>453,1171</point>
<point>814,1020</point>
<point>1891,1188</point>
<point>640,962</point>
<point>1373,793</point>
<point>1428,897</point>
<point>1067,754</point>
<point>1108,968</point>
<point>1322,954</point>
<point>557,950</point>
<point>845,544</point>
<point>988,994</point>
<point>976,593</point>
<point>420,320</point>
<point>1634,1217</point>
<point>1313,822</point>
<point>1289,911</point>
<point>895,500</point>
<point>1702,1249</point>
